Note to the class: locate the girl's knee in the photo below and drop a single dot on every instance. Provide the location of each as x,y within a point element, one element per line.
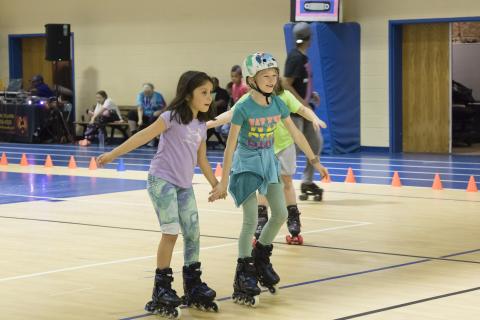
<point>192,235</point>
<point>279,215</point>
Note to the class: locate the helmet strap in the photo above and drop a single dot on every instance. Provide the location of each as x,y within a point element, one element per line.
<point>256,88</point>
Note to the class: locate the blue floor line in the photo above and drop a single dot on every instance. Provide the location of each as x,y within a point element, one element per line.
<point>336,277</point>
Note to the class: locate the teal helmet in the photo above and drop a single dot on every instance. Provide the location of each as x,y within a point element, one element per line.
<point>256,62</point>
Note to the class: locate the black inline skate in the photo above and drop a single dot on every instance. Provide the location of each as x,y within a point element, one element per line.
<point>262,221</point>
<point>310,189</point>
<point>165,301</point>
<point>245,288</point>
<point>266,275</point>
<point>197,293</point>
<point>293,225</point>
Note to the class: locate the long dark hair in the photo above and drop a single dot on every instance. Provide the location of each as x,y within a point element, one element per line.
<point>180,110</point>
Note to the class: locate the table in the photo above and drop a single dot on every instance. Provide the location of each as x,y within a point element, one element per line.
<point>18,122</point>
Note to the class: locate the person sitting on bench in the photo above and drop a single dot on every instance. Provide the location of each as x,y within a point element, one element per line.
<point>106,111</point>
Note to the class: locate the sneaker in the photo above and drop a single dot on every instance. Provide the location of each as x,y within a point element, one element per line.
<point>84,142</point>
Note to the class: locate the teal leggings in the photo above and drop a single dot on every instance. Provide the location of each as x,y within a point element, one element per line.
<point>276,200</point>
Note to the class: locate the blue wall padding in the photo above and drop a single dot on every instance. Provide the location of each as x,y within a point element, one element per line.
<point>335,59</point>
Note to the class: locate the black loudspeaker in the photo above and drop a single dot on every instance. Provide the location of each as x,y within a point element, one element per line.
<point>58,42</point>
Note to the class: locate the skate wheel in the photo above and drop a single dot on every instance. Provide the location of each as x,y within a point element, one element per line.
<point>300,240</point>
<point>176,313</point>
<point>317,198</point>
<point>214,307</point>
<point>255,301</point>
<point>303,197</point>
<point>288,238</point>
<point>273,290</point>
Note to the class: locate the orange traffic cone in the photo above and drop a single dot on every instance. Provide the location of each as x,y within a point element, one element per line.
<point>93,164</point>
<point>3,160</point>
<point>350,176</point>
<point>326,179</point>
<point>24,161</point>
<point>72,164</point>
<point>48,162</point>
<point>396,180</point>
<point>472,185</point>
<point>218,170</point>
<point>437,183</point>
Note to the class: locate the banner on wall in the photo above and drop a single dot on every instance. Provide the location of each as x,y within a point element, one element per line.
<point>315,10</point>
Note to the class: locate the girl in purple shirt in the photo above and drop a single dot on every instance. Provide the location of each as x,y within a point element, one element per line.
<point>182,146</point>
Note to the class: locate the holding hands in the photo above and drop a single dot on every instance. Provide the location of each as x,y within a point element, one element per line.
<point>218,192</point>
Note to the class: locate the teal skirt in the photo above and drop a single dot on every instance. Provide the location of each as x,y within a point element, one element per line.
<point>252,170</point>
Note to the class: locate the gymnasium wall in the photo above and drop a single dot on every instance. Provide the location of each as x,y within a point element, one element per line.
<point>121,44</point>
<point>373,16</point>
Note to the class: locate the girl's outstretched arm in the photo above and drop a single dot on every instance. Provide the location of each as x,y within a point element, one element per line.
<point>221,119</point>
<point>135,141</point>
<point>308,114</point>
<point>302,143</point>
<point>204,165</point>
<point>221,189</point>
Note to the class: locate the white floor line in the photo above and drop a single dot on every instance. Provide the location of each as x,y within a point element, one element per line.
<point>203,210</point>
<point>86,266</point>
<point>388,161</point>
<point>148,205</point>
<point>38,274</point>
<point>219,152</point>
<point>333,228</point>
<point>300,167</point>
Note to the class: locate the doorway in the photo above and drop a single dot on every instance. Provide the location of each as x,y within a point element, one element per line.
<point>466,88</point>
<point>420,84</point>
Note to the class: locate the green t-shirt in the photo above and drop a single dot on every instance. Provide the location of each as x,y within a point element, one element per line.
<point>282,137</point>
<point>258,123</point>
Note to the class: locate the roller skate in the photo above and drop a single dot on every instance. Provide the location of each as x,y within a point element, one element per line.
<point>293,225</point>
<point>197,293</point>
<point>266,275</point>
<point>310,189</point>
<point>165,301</point>
<point>245,288</point>
<point>262,221</point>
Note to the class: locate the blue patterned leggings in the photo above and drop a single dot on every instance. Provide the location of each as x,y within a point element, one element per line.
<point>176,209</point>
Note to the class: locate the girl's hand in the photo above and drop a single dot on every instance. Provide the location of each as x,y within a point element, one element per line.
<point>105,158</point>
<point>321,169</point>
<point>317,124</point>
<point>218,192</point>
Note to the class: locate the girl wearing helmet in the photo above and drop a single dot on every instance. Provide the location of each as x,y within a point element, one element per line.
<point>249,165</point>
<point>284,147</point>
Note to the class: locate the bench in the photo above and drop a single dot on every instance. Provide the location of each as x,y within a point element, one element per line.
<point>121,126</point>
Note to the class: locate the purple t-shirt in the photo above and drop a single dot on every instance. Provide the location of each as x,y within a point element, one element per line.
<point>176,155</point>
